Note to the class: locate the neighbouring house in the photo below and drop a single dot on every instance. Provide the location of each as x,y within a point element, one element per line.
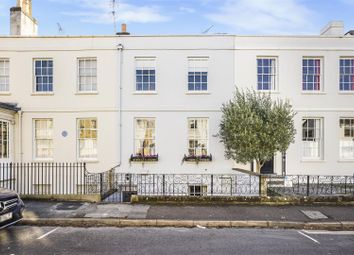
<point>151,104</point>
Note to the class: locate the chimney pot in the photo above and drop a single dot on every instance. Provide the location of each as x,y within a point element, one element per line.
<point>123,30</point>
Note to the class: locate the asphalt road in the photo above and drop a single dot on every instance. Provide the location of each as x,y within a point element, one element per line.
<point>50,240</point>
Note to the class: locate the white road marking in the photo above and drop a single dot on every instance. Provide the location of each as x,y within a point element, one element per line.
<point>46,234</point>
<point>309,237</point>
<point>202,227</point>
<point>324,232</point>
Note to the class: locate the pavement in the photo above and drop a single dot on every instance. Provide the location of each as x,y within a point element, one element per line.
<point>80,214</point>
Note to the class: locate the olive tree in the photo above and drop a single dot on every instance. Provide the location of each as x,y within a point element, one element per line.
<point>254,127</point>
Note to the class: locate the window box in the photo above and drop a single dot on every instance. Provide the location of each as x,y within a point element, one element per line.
<point>197,159</point>
<point>144,158</point>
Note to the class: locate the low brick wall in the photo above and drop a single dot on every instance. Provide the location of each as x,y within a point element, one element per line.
<point>339,200</point>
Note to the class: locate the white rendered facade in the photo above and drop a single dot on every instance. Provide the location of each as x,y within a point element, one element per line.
<point>115,101</point>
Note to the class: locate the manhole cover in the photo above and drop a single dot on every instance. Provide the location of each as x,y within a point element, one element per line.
<point>68,206</point>
<point>314,215</point>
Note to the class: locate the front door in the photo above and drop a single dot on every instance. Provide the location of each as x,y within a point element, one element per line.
<point>268,167</point>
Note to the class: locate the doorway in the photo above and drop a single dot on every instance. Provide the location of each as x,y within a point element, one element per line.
<point>268,167</point>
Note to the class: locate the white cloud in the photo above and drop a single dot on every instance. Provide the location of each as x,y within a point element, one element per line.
<point>186,9</point>
<point>265,16</point>
<point>100,11</point>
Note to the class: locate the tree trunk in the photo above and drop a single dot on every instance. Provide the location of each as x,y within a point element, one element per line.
<point>259,165</point>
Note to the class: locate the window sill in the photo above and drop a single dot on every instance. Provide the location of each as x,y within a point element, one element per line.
<point>198,93</point>
<point>42,94</point>
<point>313,161</point>
<point>44,160</point>
<point>313,93</point>
<point>5,93</point>
<point>87,93</point>
<point>346,160</point>
<point>346,92</point>
<point>88,160</point>
<point>269,91</point>
<point>145,93</point>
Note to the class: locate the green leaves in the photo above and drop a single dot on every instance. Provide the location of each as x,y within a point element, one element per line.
<point>254,127</point>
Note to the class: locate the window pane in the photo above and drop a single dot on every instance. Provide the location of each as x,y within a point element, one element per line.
<point>266,74</point>
<point>87,138</point>
<point>4,75</point>
<point>346,143</point>
<point>43,138</point>
<point>4,139</point>
<point>43,75</point>
<point>145,137</point>
<point>145,79</point>
<point>312,138</point>
<point>346,69</point>
<point>87,74</point>
<point>198,136</point>
<point>198,74</point>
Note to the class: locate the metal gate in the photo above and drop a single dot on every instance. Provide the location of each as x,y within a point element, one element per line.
<point>117,188</point>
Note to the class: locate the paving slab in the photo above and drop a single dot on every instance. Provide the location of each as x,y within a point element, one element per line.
<point>314,215</point>
<point>118,211</point>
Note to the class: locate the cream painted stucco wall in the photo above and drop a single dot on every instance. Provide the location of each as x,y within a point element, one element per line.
<point>232,62</point>
<point>331,104</point>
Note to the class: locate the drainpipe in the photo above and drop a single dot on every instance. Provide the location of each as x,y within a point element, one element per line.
<point>120,73</point>
<point>20,134</point>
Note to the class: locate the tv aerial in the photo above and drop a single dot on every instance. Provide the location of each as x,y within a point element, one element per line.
<point>114,5</point>
<point>60,28</point>
<point>208,29</point>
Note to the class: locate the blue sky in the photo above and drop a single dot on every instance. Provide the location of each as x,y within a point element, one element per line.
<point>244,17</point>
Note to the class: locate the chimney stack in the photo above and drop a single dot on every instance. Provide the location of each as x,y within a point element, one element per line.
<point>123,30</point>
<point>333,28</point>
<point>21,21</point>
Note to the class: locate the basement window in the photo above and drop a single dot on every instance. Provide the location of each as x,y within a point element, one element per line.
<point>197,190</point>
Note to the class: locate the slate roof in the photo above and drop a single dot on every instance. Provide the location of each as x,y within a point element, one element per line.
<point>10,106</point>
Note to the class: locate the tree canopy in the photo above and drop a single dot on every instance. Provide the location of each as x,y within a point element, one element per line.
<point>254,127</point>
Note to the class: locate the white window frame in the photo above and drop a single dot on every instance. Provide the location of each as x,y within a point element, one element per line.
<point>192,190</point>
<point>7,139</point>
<point>317,137</point>
<point>35,140</point>
<point>5,75</point>
<point>275,74</point>
<point>92,76</point>
<point>195,138</point>
<point>198,64</point>
<point>350,91</point>
<point>93,157</point>
<point>153,139</point>
<point>143,64</point>
<point>346,141</point>
<point>35,76</point>
<point>321,75</point>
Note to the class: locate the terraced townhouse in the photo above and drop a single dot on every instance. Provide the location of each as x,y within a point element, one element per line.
<point>151,104</point>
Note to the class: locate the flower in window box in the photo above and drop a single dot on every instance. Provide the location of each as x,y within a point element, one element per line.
<point>143,158</point>
<point>197,158</point>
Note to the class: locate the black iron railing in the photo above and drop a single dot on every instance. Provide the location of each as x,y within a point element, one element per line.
<point>73,179</point>
<point>116,185</point>
<point>310,185</point>
<point>48,178</point>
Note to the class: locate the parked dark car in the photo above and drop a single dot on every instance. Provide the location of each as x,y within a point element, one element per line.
<point>11,208</point>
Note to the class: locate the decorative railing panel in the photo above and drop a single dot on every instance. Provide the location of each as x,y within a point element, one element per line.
<point>310,185</point>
